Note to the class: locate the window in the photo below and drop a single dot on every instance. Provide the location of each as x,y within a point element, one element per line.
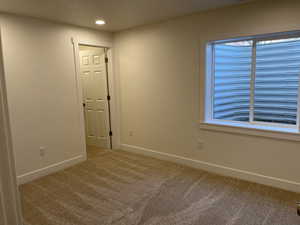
<point>254,81</point>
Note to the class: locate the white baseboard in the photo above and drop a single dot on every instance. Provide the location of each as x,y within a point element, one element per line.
<point>25,178</point>
<point>218,169</point>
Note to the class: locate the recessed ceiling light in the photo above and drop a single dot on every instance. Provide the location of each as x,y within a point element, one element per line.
<point>100,22</point>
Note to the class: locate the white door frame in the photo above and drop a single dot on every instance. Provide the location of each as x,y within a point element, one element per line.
<point>10,206</point>
<point>114,109</point>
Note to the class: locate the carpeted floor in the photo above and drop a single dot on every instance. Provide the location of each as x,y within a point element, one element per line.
<point>119,188</point>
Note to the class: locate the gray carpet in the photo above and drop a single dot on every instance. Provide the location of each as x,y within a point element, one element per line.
<point>119,188</point>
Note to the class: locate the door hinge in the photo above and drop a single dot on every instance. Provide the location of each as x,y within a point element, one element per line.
<point>106,60</point>
<point>108,97</point>
<point>110,133</point>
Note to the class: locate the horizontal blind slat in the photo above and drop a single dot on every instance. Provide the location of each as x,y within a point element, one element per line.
<point>232,82</point>
<point>277,82</point>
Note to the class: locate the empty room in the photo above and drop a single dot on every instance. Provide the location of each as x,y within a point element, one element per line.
<point>139,112</point>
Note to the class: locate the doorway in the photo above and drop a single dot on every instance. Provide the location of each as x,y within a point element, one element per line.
<point>96,105</point>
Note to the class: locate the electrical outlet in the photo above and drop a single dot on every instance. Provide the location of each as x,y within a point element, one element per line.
<point>130,133</point>
<point>42,151</point>
<point>200,144</point>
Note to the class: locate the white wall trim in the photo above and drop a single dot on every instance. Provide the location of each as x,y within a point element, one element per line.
<point>27,177</point>
<point>10,204</point>
<point>218,169</point>
<point>114,93</point>
<point>79,95</point>
<point>252,130</point>
<point>102,44</point>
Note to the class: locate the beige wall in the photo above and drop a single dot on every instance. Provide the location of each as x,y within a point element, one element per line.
<point>40,76</point>
<point>161,78</point>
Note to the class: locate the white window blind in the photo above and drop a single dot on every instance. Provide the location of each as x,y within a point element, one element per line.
<point>256,80</point>
<point>232,71</point>
<point>277,81</point>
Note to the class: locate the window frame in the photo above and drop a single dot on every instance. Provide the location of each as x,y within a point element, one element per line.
<point>210,86</point>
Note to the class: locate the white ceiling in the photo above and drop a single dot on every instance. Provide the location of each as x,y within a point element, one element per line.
<point>119,14</point>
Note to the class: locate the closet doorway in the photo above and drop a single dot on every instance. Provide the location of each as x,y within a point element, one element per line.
<point>95,95</point>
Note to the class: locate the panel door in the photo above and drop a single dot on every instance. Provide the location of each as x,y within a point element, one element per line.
<point>93,82</point>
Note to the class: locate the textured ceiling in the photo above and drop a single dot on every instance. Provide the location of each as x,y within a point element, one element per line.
<point>119,14</point>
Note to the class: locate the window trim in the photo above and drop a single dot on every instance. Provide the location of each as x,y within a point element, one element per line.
<point>251,130</point>
<point>209,88</point>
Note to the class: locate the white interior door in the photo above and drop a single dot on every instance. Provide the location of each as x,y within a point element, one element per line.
<point>94,84</point>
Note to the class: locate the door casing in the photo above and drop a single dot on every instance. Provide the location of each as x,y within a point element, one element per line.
<point>112,82</point>
<point>10,205</point>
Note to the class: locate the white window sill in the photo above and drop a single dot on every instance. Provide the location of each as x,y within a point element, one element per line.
<point>252,130</point>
